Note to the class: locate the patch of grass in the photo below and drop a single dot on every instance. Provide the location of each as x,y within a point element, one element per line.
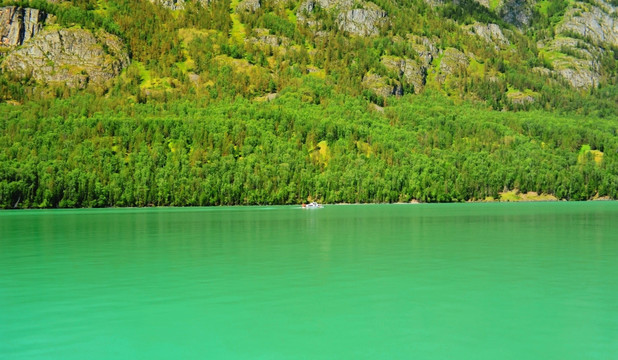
<point>476,68</point>
<point>432,73</point>
<point>542,6</point>
<point>291,16</point>
<point>515,195</point>
<point>510,196</point>
<point>143,73</point>
<point>321,153</point>
<point>586,153</point>
<point>364,148</point>
<point>102,8</point>
<point>550,56</point>
<point>238,28</point>
<point>150,82</point>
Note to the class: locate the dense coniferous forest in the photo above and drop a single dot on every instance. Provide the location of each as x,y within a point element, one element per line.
<point>225,106</point>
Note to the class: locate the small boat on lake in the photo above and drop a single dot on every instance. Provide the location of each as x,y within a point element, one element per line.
<point>312,205</point>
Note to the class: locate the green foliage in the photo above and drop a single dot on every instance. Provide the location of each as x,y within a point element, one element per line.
<point>79,12</point>
<point>86,151</point>
<point>277,25</point>
<point>188,122</point>
<point>468,11</point>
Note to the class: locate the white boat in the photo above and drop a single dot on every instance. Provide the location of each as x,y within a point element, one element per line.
<point>312,205</point>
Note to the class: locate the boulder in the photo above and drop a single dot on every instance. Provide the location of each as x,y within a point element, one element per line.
<point>74,57</point>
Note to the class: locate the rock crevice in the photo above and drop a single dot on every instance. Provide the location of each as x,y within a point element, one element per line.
<point>18,25</point>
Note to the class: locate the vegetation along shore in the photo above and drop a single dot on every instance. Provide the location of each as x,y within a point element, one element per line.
<point>115,103</point>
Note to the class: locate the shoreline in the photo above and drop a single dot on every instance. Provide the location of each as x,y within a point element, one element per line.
<point>493,201</point>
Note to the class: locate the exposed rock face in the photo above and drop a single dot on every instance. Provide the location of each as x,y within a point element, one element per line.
<point>309,5</point>
<point>249,5</point>
<point>541,71</point>
<point>176,4</point>
<point>453,62</point>
<point>263,38</point>
<point>381,86</point>
<point>361,22</point>
<point>578,72</point>
<point>490,33</point>
<point>583,36</point>
<point>72,56</point>
<point>520,98</point>
<point>407,70</point>
<point>18,25</point>
<point>364,19</point>
<point>171,4</point>
<point>425,48</point>
<point>517,12</point>
<point>591,22</point>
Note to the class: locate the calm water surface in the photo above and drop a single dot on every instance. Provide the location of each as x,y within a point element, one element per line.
<point>461,281</point>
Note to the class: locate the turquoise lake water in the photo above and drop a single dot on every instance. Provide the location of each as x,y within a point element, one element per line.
<point>453,281</point>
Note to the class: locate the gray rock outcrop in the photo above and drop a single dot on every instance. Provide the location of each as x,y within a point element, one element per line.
<point>490,33</point>
<point>18,25</point>
<point>517,97</point>
<point>263,38</point>
<point>408,70</point>
<point>74,57</point>
<point>577,73</point>
<point>381,86</point>
<point>425,48</point>
<point>176,4</point>
<point>517,12</point>
<point>453,62</point>
<point>360,18</point>
<point>249,5</point>
<point>582,37</point>
<point>591,22</point>
<point>171,4</point>
<point>308,6</point>
<point>362,22</point>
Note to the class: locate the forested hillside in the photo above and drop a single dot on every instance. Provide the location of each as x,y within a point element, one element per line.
<point>137,103</point>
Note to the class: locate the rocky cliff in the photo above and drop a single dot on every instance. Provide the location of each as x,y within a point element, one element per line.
<point>74,57</point>
<point>18,25</point>
<point>176,4</point>
<point>354,18</point>
<point>581,40</point>
<point>517,12</point>
<point>578,40</point>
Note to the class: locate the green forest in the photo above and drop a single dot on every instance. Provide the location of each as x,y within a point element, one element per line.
<point>204,115</point>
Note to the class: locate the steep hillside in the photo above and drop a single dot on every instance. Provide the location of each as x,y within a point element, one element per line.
<point>407,66</point>
<point>509,54</point>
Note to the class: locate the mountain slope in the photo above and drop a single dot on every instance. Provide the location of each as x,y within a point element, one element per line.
<point>134,103</point>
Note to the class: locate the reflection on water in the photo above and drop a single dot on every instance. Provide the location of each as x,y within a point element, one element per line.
<point>474,281</point>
